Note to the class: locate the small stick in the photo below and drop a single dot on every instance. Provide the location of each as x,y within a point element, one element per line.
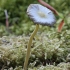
<point>7,22</point>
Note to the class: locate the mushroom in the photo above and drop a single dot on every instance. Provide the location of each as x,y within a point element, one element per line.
<point>40,15</point>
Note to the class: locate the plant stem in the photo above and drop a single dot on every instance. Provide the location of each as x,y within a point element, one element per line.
<point>60,26</point>
<point>29,47</point>
<point>48,6</point>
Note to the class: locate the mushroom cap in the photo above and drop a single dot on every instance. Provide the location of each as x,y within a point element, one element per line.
<point>41,15</point>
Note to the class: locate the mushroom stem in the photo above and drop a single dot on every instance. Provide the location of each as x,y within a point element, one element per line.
<point>29,47</point>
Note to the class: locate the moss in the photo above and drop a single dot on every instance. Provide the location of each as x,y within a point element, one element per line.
<point>47,48</point>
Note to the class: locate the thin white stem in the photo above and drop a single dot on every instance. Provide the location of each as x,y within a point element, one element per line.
<point>29,47</point>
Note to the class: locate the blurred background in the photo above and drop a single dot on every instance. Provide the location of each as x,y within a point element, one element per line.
<point>19,22</point>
